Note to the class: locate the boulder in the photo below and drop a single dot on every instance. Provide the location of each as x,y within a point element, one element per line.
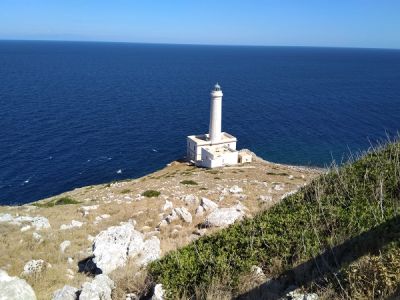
<point>64,245</point>
<point>112,247</point>
<point>235,190</point>
<point>222,217</point>
<point>168,205</point>
<point>158,292</point>
<point>15,288</point>
<point>37,222</point>
<point>184,214</point>
<point>33,267</point>
<point>73,224</point>
<point>66,293</point>
<point>99,288</point>
<point>37,237</point>
<point>190,199</point>
<point>208,205</point>
<point>298,295</point>
<point>6,218</point>
<point>265,198</point>
<point>172,216</point>
<point>151,251</point>
<point>199,211</point>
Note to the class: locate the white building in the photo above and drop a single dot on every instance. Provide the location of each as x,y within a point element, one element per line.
<point>217,148</point>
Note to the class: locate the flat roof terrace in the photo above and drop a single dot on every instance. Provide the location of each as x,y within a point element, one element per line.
<point>203,139</point>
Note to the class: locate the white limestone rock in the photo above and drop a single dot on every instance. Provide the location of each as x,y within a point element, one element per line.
<point>14,288</point>
<point>112,247</point>
<point>66,293</point>
<point>73,224</point>
<point>190,199</point>
<point>6,218</point>
<point>279,187</point>
<point>184,214</point>
<point>298,295</point>
<point>235,190</point>
<point>172,216</point>
<point>208,205</point>
<point>26,228</point>
<point>265,198</point>
<point>37,237</point>
<point>168,205</point>
<point>34,267</point>
<point>100,218</point>
<point>99,288</point>
<point>64,245</point>
<point>199,211</point>
<point>150,252</point>
<point>222,217</point>
<point>37,222</point>
<point>158,292</point>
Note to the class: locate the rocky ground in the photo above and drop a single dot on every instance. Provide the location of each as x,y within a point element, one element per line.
<point>116,229</point>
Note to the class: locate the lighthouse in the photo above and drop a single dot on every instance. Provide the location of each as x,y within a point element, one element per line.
<point>215,114</point>
<point>215,148</point>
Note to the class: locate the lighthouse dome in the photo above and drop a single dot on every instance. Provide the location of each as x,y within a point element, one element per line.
<point>217,87</point>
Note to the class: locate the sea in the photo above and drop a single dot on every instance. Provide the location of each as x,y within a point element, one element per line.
<point>74,114</point>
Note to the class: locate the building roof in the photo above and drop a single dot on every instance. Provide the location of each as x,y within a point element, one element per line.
<point>203,139</point>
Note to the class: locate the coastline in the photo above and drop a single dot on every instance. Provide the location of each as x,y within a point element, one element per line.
<point>86,211</point>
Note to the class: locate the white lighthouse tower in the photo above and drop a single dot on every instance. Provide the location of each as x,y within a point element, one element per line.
<point>215,114</point>
<point>217,148</point>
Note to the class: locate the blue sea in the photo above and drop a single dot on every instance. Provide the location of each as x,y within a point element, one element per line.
<point>74,114</point>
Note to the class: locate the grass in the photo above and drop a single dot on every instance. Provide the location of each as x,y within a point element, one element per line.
<point>348,217</point>
<point>189,182</point>
<point>59,201</point>
<point>125,191</point>
<point>277,174</point>
<point>151,193</point>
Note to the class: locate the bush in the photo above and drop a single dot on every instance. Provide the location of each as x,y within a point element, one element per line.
<point>189,182</point>
<point>125,191</point>
<point>333,209</point>
<point>151,193</point>
<point>61,201</point>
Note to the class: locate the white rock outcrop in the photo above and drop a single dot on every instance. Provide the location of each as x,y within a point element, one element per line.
<point>73,224</point>
<point>184,214</point>
<point>265,198</point>
<point>34,267</point>
<point>158,292</point>
<point>190,199</point>
<point>199,211</point>
<point>222,217</point>
<point>208,205</point>
<point>168,205</point>
<point>298,295</point>
<point>235,190</point>
<point>99,288</point>
<point>37,222</point>
<point>66,293</point>
<point>64,245</point>
<point>151,251</point>
<point>15,288</point>
<point>113,246</point>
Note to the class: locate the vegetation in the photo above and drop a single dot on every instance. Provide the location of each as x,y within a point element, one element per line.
<point>189,182</point>
<point>151,193</point>
<point>59,201</point>
<point>125,191</point>
<point>341,233</point>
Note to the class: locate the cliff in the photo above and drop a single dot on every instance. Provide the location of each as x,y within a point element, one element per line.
<point>59,243</point>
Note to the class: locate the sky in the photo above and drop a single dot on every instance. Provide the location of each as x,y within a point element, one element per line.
<point>331,23</point>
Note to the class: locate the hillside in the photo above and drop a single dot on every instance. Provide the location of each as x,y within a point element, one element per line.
<point>338,237</point>
<point>52,243</point>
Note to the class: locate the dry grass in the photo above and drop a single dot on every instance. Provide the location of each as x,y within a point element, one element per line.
<point>119,201</point>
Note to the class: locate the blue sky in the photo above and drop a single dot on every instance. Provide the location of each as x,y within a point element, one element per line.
<point>338,23</point>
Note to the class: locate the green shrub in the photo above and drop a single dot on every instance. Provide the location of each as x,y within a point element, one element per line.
<point>61,201</point>
<point>125,191</point>
<point>334,208</point>
<point>151,193</point>
<point>189,182</point>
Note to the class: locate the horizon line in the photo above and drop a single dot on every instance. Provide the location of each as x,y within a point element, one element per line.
<point>190,44</point>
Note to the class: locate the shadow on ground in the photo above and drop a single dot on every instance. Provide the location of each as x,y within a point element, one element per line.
<point>329,262</point>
